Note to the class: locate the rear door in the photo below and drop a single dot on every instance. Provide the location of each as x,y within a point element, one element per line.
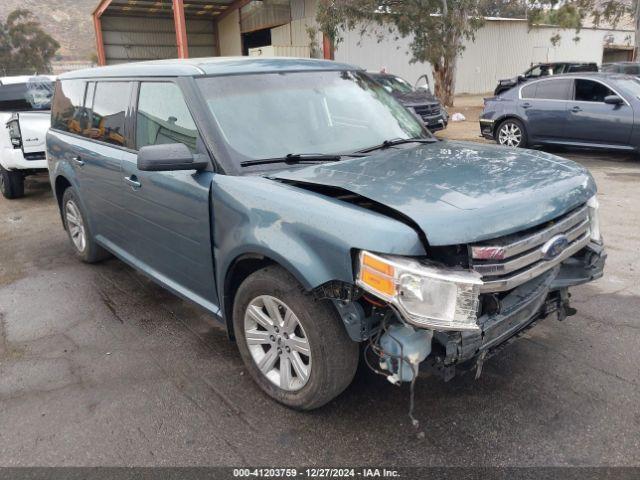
<point>593,121</point>
<point>543,104</point>
<point>168,216</point>
<point>106,103</point>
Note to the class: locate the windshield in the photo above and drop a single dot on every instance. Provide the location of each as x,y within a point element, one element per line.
<point>34,95</point>
<point>630,85</point>
<point>271,115</point>
<point>394,84</point>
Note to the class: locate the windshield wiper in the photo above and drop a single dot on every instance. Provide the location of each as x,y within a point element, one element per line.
<point>293,158</point>
<point>398,141</point>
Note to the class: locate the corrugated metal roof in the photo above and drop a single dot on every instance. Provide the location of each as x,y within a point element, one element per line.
<point>208,66</point>
<point>163,8</point>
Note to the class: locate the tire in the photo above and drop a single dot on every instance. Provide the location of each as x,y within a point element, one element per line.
<point>511,133</point>
<point>77,227</point>
<point>11,183</point>
<point>332,359</point>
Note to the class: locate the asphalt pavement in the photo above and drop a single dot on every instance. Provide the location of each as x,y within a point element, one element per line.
<point>99,366</point>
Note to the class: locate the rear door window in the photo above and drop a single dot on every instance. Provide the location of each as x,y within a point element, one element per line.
<point>548,90</point>
<point>67,105</point>
<point>590,91</point>
<point>110,103</point>
<point>553,90</point>
<point>163,116</point>
<point>529,91</point>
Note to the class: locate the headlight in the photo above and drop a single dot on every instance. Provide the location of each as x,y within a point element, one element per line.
<point>594,219</point>
<point>426,296</point>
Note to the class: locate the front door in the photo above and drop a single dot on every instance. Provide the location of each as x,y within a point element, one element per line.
<point>593,121</point>
<point>543,104</point>
<point>167,213</point>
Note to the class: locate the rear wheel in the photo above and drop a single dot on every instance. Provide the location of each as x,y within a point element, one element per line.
<point>75,222</point>
<point>11,183</point>
<point>511,133</point>
<point>294,346</point>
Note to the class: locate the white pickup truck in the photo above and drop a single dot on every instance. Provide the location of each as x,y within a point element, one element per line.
<point>25,117</point>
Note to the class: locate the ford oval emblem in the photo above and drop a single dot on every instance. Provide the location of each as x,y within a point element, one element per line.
<point>554,247</point>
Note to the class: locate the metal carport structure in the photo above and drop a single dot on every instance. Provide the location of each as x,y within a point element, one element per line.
<point>133,30</point>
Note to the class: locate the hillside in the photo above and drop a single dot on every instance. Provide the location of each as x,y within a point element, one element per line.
<point>68,21</point>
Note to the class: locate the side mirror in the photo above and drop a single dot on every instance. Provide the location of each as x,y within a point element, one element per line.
<point>168,157</point>
<point>613,100</point>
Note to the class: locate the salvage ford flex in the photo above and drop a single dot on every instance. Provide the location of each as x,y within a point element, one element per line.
<point>313,215</point>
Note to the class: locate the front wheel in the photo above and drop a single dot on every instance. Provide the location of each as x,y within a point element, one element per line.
<point>295,346</point>
<point>511,133</point>
<point>11,183</point>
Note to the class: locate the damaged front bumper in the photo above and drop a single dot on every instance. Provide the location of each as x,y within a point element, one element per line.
<point>487,127</point>
<point>515,312</point>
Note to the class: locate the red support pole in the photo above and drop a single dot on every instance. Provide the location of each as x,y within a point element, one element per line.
<point>181,29</point>
<point>97,25</point>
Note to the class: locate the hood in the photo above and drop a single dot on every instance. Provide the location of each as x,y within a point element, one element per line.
<point>415,98</point>
<point>33,129</point>
<point>459,192</point>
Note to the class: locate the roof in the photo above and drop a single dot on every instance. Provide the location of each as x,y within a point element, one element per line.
<point>206,9</point>
<point>565,63</point>
<point>604,75</point>
<point>208,66</point>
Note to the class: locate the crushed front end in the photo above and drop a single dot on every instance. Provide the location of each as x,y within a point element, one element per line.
<point>473,299</point>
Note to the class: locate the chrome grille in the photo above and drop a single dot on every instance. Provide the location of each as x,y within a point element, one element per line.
<point>509,261</point>
<point>426,111</point>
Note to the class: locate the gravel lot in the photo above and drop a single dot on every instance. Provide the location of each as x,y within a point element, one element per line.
<point>99,366</point>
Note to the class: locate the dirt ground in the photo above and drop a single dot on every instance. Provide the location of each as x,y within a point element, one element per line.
<point>469,129</point>
<point>99,366</point>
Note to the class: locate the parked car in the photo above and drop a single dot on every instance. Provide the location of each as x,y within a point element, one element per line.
<point>544,70</point>
<point>24,111</point>
<point>308,211</point>
<point>418,100</point>
<point>594,110</point>
<point>630,68</point>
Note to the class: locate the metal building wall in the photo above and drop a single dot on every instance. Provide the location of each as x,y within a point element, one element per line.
<point>502,49</point>
<point>229,35</point>
<point>129,39</point>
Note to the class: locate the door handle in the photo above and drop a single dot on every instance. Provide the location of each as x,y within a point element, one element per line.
<point>576,109</point>
<point>526,105</point>
<point>133,181</point>
<point>77,160</point>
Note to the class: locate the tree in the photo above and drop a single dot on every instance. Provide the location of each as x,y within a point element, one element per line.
<point>25,48</point>
<point>504,8</point>
<point>437,28</point>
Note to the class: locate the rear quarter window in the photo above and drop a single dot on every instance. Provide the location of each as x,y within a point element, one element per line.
<point>67,106</point>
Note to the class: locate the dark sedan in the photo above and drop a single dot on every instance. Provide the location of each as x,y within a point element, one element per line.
<point>593,110</point>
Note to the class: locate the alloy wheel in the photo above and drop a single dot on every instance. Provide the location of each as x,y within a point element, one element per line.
<point>510,135</point>
<point>277,342</point>
<point>75,225</point>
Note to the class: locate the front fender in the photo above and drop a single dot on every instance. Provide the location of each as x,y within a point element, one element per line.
<point>309,234</point>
